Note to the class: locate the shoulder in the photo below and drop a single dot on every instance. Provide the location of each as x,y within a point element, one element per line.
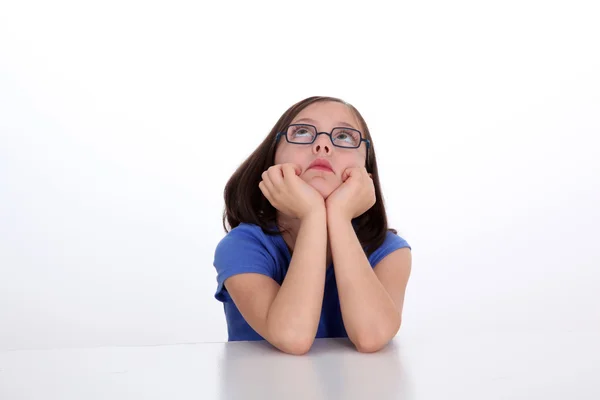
<point>244,239</point>
<point>243,234</point>
<point>245,248</point>
<point>391,243</point>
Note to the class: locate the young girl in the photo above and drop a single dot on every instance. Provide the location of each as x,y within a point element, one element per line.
<point>309,253</point>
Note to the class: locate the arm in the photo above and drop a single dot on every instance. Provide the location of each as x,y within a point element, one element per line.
<point>288,316</point>
<point>371,299</point>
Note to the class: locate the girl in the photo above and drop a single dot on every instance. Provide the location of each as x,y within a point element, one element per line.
<point>309,253</point>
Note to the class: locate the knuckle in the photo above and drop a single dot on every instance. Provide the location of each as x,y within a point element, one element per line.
<point>274,170</point>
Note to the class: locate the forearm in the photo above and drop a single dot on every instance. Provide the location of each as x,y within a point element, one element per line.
<point>370,316</point>
<point>295,312</point>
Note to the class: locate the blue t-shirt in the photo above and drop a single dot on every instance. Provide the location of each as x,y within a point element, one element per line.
<point>246,248</point>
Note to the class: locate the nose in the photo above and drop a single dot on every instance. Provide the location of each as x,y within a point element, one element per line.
<point>322,143</point>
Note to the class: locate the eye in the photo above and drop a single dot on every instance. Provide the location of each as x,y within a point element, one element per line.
<point>301,130</point>
<point>347,136</point>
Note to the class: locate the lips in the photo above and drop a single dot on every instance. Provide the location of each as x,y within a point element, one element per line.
<point>320,163</point>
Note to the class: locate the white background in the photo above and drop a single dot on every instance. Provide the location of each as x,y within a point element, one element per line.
<point>121,122</point>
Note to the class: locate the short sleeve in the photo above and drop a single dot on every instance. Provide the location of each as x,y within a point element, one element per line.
<point>242,250</point>
<point>391,243</point>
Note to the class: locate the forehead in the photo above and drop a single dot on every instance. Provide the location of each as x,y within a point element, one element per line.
<point>327,115</point>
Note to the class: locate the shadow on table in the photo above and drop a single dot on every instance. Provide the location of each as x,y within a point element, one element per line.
<point>333,369</point>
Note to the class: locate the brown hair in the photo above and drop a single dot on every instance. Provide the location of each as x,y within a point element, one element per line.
<point>245,203</point>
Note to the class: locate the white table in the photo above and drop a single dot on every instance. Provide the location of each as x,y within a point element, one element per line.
<point>482,366</point>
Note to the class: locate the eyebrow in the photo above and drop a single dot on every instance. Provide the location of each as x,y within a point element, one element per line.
<point>312,121</point>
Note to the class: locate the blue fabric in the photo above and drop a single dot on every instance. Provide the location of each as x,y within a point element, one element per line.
<point>246,248</point>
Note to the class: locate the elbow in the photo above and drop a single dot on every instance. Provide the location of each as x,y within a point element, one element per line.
<point>295,345</point>
<point>369,345</point>
<point>375,340</point>
<point>297,348</point>
<point>292,342</point>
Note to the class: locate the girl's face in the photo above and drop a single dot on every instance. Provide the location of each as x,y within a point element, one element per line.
<point>324,116</point>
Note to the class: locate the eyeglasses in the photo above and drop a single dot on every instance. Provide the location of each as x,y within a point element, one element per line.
<point>348,138</point>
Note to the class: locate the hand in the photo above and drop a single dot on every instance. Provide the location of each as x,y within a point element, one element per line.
<point>288,193</point>
<point>354,196</point>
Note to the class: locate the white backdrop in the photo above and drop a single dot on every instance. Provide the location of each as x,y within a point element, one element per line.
<point>121,122</point>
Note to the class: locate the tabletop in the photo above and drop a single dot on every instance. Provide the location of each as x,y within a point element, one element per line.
<point>437,365</point>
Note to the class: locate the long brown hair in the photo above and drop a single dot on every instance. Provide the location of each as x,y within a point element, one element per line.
<point>245,203</point>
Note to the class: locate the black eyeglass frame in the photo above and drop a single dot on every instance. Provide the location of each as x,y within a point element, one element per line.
<point>330,134</point>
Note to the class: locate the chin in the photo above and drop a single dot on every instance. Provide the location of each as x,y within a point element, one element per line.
<point>323,183</point>
<point>323,188</point>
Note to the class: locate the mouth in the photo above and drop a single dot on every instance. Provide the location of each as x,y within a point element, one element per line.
<point>321,164</point>
<point>321,168</point>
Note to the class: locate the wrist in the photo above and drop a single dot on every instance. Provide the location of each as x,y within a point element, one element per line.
<point>336,217</point>
<point>317,213</point>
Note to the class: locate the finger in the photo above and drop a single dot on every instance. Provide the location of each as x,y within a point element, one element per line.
<point>266,179</point>
<point>290,170</point>
<point>346,174</point>
<point>275,176</point>
<point>355,172</point>
<point>265,191</point>
<point>293,169</point>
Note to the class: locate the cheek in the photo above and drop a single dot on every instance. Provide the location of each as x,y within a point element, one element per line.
<point>280,154</point>
<point>353,161</point>
<point>285,155</point>
<point>362,157</point>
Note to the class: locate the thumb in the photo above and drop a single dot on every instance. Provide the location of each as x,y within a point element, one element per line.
<point>289,167</point>
<point>346,174</point>
<point>298,169</point>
